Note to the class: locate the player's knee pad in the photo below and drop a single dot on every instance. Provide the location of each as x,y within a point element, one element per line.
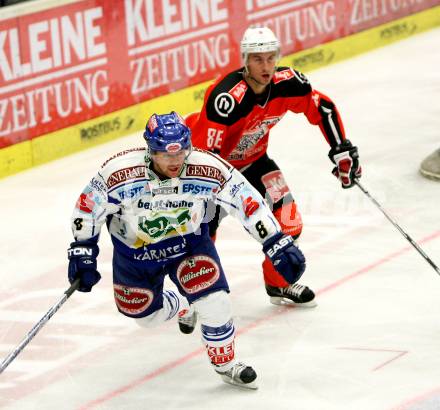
<point>289,219</point>
<point>214,309</point>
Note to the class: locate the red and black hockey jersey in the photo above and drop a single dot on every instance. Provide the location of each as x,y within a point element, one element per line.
<point>235,122</point>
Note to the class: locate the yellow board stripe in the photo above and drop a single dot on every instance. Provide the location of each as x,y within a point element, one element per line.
<point>66,141</point>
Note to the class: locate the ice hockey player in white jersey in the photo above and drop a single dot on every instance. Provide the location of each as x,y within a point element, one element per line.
<point>155,201</point>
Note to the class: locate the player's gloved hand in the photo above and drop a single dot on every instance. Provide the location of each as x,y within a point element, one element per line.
<point>82,264</point>
<point>286,257</point>
<point>346,158</point>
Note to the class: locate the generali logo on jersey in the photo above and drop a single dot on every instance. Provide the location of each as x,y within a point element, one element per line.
<point>126,174</point>
<point>205,171</point>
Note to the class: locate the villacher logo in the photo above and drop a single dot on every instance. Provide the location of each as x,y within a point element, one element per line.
<point>198,273</point>
<point>132,301</point>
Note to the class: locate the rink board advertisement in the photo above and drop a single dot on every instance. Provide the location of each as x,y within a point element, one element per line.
<point>88,71</point>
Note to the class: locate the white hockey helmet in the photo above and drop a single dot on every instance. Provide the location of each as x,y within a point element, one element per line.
<point>259,40</point>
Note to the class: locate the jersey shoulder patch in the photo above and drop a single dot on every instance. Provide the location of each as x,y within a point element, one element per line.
<point>223,102</point>
<point>239,90</point>
<point>289,82</point>
<point>205,165</point>
<point>283,75</point>
<point>124,167</point>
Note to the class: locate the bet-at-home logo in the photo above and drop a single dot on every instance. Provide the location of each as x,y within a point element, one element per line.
<point>159,224</point>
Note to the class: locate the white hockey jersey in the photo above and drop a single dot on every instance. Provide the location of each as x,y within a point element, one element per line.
<point>154,220</point>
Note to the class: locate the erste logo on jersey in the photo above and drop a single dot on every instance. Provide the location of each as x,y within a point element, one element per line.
<point>224,103</point>
<point>239,90</point>
<point>283,75</point>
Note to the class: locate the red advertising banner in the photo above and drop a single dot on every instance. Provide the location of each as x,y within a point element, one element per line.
<point>364,14</point>
<point>174,44</point>
<point>65,65</point>
<point>302,24</point>
<point>299,24</point>
<point>53,70</point>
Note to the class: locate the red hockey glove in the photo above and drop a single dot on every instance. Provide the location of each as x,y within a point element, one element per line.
<point>346,158</point>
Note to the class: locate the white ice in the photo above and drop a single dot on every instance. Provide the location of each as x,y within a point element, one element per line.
<point>373,341</point>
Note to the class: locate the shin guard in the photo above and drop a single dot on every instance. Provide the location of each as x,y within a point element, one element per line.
<point>218,331</point>
<point>219,342</point>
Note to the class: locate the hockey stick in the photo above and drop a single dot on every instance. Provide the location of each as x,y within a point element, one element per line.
<point>5,363</point>
<point>408,238</point>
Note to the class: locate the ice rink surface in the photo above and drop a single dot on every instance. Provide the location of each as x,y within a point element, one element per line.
<point>371,343</point>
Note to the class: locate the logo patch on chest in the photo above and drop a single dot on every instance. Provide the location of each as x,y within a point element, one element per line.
<point>163,223</point>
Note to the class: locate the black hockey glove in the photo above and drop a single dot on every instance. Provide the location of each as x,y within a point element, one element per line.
<point>286,257</point>
<point>346,158</point>
<point>82,264</point>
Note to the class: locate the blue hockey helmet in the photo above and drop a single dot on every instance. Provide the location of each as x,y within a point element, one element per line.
<point>167,133</point>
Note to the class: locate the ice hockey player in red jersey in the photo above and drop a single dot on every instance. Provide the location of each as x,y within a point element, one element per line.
<point>239,110</point>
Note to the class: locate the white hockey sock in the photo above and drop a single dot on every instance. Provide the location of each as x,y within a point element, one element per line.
<point>173,302</point>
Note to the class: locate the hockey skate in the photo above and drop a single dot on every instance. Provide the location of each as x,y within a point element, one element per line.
<point>296,294</point>
<point>240,375</point>
<point>187,319</point>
